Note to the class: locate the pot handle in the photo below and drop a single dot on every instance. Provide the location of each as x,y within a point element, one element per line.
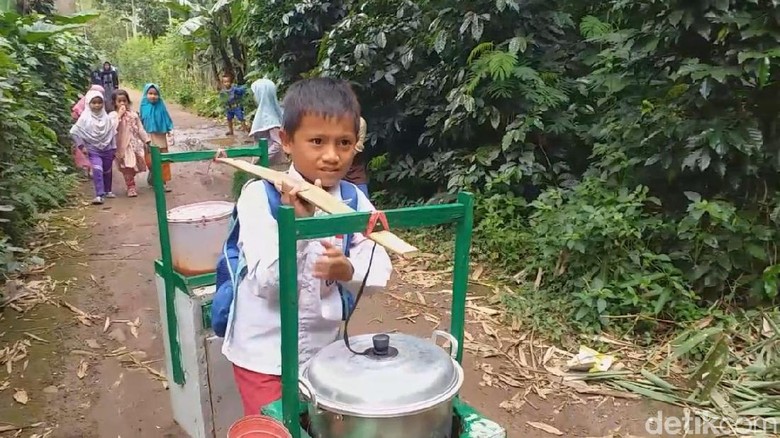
<point>453,342</point>
<point>305,388</point>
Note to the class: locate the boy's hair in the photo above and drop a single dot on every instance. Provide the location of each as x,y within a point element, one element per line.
<point>228,76</point>
<point>115,95</point>
<point>325,97</point>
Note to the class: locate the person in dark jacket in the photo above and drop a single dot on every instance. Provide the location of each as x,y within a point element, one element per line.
<point>110,82</point>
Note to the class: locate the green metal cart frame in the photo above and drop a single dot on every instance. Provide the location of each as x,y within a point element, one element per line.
<point>164,266</point>
<point>290,408</point>
<point>292,229</point>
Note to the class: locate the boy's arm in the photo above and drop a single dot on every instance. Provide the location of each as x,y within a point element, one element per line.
<point>259,239</point>
<point>381,268</point>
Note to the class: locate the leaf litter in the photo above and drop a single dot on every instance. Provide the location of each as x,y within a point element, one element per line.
<point>28,288</point>
<point>728,376</point>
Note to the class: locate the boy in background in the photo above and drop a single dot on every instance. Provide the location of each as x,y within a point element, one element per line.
<point>232,94</point>
<point>319,132</point>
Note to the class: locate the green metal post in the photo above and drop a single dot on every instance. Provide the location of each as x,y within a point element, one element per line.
<point>263,146</point>
<point>167,262</point>
<point>288,303</point>
<point>460,273</point>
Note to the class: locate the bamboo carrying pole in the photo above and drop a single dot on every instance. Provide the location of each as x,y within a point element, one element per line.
<point>323,200</point>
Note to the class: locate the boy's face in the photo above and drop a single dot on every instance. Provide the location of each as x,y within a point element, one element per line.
<point>322,148</point>
<point>96,104</point>
<point>226,82</point>
<point>153,95</point>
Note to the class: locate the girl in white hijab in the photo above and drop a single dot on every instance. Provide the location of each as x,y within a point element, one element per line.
<point>268,118</point>
<point>95,133</point>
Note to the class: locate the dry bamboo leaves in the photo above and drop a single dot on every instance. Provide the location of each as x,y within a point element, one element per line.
<point>544,427</point>
<point>730,382</point>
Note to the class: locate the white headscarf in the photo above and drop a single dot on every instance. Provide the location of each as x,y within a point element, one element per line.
<point>97,129</point>
<point>269,113</point>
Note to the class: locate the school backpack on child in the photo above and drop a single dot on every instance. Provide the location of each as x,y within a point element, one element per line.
<point>231,265</point>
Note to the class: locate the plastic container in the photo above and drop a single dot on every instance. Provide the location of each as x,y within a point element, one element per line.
<point>258,426</point>
<point>197,233</point>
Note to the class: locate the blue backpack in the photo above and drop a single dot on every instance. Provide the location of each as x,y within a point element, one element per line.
<point>231,265</point>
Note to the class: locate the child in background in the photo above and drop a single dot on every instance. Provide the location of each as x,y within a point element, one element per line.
<point>357,173</point>
<point>319,132</point>
<point>231,94</point>
<point>79,158</point>
<point>158,124</point>
<point>268,119</point>
<point>95,132</point>
<point>78,107</point>
<point>130,141</point>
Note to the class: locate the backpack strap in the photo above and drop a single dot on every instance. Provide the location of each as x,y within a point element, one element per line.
<point>274,198</point>
<point>349,194</point>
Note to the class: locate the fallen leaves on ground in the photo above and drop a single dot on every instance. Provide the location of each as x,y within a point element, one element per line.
<point>82,371</point>
<point>736,383</point>
<point>14,353</point>
<point>22,296</point>
<point>544,427</point>
<point>82,316</point>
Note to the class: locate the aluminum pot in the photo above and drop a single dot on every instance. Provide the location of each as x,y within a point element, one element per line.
<point>401,386</point>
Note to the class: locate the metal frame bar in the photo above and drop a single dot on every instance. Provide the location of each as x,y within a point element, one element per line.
<point>291,230</point>
<point>164,266</point>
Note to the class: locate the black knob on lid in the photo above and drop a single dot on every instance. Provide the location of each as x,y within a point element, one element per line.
<point>381,344</point>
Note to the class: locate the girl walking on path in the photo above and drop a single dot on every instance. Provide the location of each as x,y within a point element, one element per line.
<point>131,138</point>
<point>95,132</point>
<point>79,158</point>
<point>158,124</point>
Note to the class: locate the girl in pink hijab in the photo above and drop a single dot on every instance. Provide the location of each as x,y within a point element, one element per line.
<point>79,158</point>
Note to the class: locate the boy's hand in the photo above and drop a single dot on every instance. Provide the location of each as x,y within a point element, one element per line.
<point>333,264</point>
<point>290,197</point>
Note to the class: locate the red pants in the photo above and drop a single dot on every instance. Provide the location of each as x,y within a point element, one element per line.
<point>256,389</point>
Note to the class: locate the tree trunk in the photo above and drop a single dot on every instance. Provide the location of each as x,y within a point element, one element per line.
<point>238,55</point>
<point>237,49</point>
<point>227,64</point>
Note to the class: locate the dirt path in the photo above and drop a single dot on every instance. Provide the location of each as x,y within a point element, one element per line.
<point>113,276</point>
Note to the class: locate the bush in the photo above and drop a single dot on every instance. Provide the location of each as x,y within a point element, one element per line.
<point>42,71</point>
<point>169,61</point>
<point>654,147</point>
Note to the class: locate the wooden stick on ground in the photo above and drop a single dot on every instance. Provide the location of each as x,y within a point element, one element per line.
<point>322,199</point>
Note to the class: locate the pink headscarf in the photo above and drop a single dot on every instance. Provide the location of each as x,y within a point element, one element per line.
<point>79,107</point>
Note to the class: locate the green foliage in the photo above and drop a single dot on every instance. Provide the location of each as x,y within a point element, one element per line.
<point>107,36</point>
<point>599,245</point>
<point>42,70</point>
<point>628,150</point>
<point>168,62</point>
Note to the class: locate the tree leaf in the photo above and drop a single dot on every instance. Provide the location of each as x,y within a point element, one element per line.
<point>692,196</point>
<point>381,40</point>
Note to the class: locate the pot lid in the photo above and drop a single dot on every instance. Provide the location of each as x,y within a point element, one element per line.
<point>200,211</point>
<point>399,374</point>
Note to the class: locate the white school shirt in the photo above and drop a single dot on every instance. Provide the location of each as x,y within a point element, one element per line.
<point>253,336</point>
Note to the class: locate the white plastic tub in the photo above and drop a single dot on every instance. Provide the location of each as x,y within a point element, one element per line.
<point>197,234</point>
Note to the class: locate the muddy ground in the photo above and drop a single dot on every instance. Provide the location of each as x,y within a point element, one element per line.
<point>103,264</point>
